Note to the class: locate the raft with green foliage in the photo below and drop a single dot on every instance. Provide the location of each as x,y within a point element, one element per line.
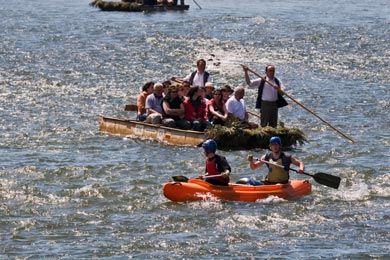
<point>135,6</point>
<point>236,138</point>
<point>227,138</point>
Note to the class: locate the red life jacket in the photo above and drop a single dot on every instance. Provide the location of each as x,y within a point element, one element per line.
<point>212,169</point>
<point>211,166</point>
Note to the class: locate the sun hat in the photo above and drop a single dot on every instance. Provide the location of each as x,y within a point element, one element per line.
<point>209,85</point>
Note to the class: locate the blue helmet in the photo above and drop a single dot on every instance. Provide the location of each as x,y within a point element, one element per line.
<point>275,139</point>
<point>210,146</point>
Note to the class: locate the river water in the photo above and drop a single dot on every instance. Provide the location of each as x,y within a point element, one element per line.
<point>68,191</point>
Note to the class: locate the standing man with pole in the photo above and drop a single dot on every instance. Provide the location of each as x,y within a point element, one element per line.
<point>282,92</point>
<point>269,97</point>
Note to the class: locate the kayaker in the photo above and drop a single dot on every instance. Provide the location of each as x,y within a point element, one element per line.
<point>276,174</point>
<point>215,165</point>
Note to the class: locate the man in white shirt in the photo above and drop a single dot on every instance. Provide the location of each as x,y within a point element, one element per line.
<point>236,108</point>
<point>268,99</point>
<point>201,76</point>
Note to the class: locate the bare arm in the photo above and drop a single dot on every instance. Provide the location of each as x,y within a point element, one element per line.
<point>225,113</point>
<point>216,113</point>
<point>255,165</point>
<point>173,111</point>
<point>247,79</point>
<point>298,163</point>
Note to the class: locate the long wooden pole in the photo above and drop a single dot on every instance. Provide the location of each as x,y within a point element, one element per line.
<point>300,104</point>
<point>197,4</point>
<point>253,114</point>
<point>177,80</point>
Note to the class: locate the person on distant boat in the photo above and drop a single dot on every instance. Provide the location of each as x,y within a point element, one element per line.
<point>215,165</point>
<point>216,109</point>
<point>276,156</point>
<point>172,2</point>
<point>199,77</point>
<point>269,99</point>
<point>237,110</point>
<point>153,105</point>
<point>173,110</point>
<point>149,2</point>
<point>195,110</point>
<point>226,92</point>
<point>147,89</point>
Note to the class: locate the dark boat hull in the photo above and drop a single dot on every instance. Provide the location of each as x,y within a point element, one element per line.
<point>135,7</point>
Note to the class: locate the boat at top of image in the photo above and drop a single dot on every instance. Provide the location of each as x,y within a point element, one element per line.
<point>140,5</point>
<point>195,190</point>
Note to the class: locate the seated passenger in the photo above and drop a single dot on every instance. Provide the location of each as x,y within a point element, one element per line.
<point>226,92</point>
<point>209,90</point>
<point>147,89</point>
<point>186,88</point>
<point>216,109</point>
<point>203,95</point>
<point>173,110</point>
<point>237,110</point>
<point>195,110</point>
<point>180,91</point>
<point>153,105</point>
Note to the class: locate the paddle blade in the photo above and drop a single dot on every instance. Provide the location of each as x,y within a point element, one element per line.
<point>327,179</point>
<point>180,178</point>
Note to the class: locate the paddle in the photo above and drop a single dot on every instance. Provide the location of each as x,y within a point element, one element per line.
<point>181,178</point>
<point>320,177</point>
<point>300,104</point>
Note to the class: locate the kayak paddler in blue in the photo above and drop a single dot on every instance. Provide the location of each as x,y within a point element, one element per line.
<point>216,165</point>
<point>276,174</point>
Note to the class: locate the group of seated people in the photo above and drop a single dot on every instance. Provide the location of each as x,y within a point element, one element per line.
<point>191,107</point>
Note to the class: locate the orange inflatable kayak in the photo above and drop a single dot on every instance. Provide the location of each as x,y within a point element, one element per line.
<point>196,189</point>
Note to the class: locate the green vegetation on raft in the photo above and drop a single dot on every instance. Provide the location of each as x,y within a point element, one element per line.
<point>117,6</point>
<point>235,138</point>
